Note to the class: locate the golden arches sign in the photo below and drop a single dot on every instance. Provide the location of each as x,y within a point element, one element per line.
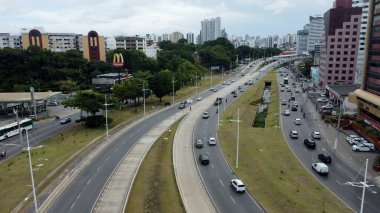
<point>118,60</point>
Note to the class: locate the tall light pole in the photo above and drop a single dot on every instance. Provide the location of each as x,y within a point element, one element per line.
<point>211,75</point>
<point>31,172</point>
<point>196,84</point>
<point>105,104</point>
<point>144,96</point>
<point>173,89</point>
<point>18,124</point>
<point>337,130</point>
<point>237,139</point>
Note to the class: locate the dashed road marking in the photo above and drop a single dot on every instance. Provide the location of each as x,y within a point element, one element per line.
<point>212,165</point>
<point>221,182</point>
<point>233,200</point>
<point>79,196</point>
<point>72,205</point>
<point>107,158</point>
<point>89,181</point>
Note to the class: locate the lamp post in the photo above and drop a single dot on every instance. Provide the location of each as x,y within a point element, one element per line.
<point>105,104</point>
<point>173,89</point>
<point>237,139</point>
<point>211,75</point>
<point>18,124</point>
<point>196,84</point>
<point>337,130</point>
<point>31,173</point>
<point>144,97</point>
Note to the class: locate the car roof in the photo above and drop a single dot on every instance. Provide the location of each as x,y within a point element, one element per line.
<point>325,154</point>
<point>315,132</point>
<point>239,182</point>
<point>212,138</point>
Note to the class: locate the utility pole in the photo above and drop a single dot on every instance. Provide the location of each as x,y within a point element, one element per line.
<point>173,89</point>
<point>31,172</point>
<point>337,130</point>
<point>105,104</point>
<point>144,97</point>
<point>237,139</point>
<point>18,125</point>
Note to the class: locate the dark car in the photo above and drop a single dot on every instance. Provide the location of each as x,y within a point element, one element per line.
<point>181,106</point>
<point>234,95</point>
<point>65,120</point>
<point>309,143</point>
<point>292,98</point>
<point>294,108</point>
<point>324,157</point>
<point>204,159</point>
<point>199,143</point>
<point>80,119</point>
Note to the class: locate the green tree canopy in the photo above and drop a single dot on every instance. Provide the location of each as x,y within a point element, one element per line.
<point>87,101</point>
<point>161,83</point>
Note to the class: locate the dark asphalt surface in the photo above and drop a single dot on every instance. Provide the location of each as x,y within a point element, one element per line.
<point>339,172</point>
<point>217,175</point>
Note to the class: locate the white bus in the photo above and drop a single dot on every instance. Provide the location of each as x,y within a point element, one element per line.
<point>10,130</point>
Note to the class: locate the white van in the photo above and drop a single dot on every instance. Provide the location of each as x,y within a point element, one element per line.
<point>320,168</point>
<point>363,147</point>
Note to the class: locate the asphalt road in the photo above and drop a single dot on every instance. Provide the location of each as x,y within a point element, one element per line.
<point>41,131</point>
<point>217,175</point>
<point>83,191</point>
<point>339,172</point>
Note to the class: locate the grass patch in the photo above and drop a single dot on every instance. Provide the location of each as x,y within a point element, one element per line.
<point>15,183</point>
<point>266,164</point>
<point>155,188</point>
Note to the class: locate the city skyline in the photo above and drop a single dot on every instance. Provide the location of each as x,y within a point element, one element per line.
<point>239,17</point>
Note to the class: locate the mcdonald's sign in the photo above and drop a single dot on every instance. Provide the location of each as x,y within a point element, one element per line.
<point>118,60</point>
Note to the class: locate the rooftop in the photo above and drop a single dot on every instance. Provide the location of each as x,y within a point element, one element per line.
<point>343,89</point>
<point>20,97</point>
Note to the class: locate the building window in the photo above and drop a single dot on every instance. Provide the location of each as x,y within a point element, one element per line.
<point>330,65</point>
<point>330,71</point>
<point>331,52</point>
<point>344,65</point>
<point>331,46</point>
<point>353,46</point>
<point>349,77</point>
<point>329,78</point>
<point>352,52</point>
<point>339,33</point>
<point>338,52</point>
<point>347,32</point>
<point>339,46</point>
<point>336,78</point>
<point>344,59</point>
<point>339,40</point>
<point>345,52</point>
<point>351,72</point>
<point>343,78</point>
<point>352,59</point>
<point>336,71</point>
<point>354,33</point>
<point>337,65</point>
<point>332,39</point>
<point>343,71</point>
<point>346,39</point>
<point>356,19</point>
<point>348,26</point>
<point>337,59</point>
<point>353,39</point>
<point>346,46</point>
<point>331,59</point>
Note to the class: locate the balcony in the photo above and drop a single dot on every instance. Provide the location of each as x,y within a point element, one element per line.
<point>374,69</point>
<point>375,58</point>
<point>377,22</point>
<point>375,46</point>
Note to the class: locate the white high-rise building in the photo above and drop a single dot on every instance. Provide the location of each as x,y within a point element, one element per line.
<point>302,36</point>
<point>61,42</point>
<point>210,29</point>
<point>363,30</point>
<point>110,43</point>
<point>12,41</point>
<point>190,38</point>
<point>316,26</point>
<point>176,36</point>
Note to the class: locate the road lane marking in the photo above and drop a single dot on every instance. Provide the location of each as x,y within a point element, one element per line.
<point>79,196</point>
<point>98,168</point>
<point>212,166</point>
<point>107,158</point>
<point>89,181</point>
<point>233,200</point>
<point>221,182</point>
<point>115,150</point>
<point>72,205</point>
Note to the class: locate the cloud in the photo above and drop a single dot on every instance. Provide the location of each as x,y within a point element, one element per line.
<point>279,6</point>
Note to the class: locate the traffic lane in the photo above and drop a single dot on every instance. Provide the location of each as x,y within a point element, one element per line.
<point>336,179</point>
<point>217,174</point>
<point>81,194</point>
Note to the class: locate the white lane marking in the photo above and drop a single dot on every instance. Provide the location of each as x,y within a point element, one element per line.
<point>72,205</point>
<point>79,196</point>
<point>107,158</point>
<point>212,166</point>
<point>98,168</point>
<point>221,182</point>
<point>233,200</point>
<point>359,198</point>
<point>89,181</point>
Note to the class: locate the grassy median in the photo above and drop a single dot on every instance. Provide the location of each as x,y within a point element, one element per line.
<point>272,173</point>
<point>155,188</point>
<point>15,182</point>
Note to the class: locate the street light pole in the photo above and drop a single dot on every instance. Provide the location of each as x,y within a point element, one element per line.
<point>144,97</point>
<point>211,75</point>
<point>337,130</point>
<point>18,125</point>
<point>196,84</point>
<point>105,104</point>
<point>31,172</point>
<point>237,140</point>
<point>173,89</point>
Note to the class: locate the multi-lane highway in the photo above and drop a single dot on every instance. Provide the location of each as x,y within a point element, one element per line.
<point>217,175</point>
<point>339,172</point>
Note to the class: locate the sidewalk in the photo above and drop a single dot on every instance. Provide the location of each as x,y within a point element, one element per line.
<point>344,151</point>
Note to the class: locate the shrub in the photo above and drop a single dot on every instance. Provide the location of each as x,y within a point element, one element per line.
<point>96,121</point>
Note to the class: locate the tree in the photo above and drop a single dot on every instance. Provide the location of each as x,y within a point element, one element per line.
<point>161,83</point>
<point>67,86</point>
<point>87,101</point>
<point>130,90</point>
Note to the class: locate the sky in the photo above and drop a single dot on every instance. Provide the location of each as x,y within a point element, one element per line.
<point>140,17</point>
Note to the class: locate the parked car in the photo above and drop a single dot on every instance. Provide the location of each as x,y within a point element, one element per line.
<point>316,135</point>
<point>80,119</point>
<point>206,115</point>
<point>363,147</point>
<point>297,121</point>
<point>204,159</point>
<point>323,100</point>
<point>53,103</point>
<point>212,141</point>
<point>199,98</point>
<point>309,143</point>
<point>328,107</point>
<point>284,102</point>
<point>293,134</point>
<point>282,90</point>
<point>199,143</point>
<point>286,112</point>
<point>320,168</point>
<point>181,106</point>
<point>237,185</point>
<point>324,157</point>
<point>65,120</point>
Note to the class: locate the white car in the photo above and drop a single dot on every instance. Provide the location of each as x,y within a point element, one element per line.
<point>297,121</point>
<point>323,100</point>
<point>228,83</point>
<point>293,134</point>
<point>328,106</point>
<point>206,115</point>
<point>199,98</point>
<point>286,112</point>
<point>212,141</point>
<point>212,89</point>
<point>233,80</point>
<point>363,147</point>
<point>320,168</point>
<point>237,185</point>
<point>316,135</point>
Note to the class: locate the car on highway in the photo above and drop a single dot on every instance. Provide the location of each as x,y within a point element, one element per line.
<point>363,147</point>
<point>293,134</point>
<point>316,135</point>
<point>199,143</point>
<point>65,120</point>
<point>309,143</point>
<point>283,102</point>
<point>297,121</point>
<point>205,115</point>
<point>320,168</point>
<point>233,92</point>
<point>204,159</point>
<point>323,100</point>
<point>292,98</point>
<point>228,82</point>
<point>294,108</point>
<point>53,103</point>
<point>286,112</point>
<point>212,89</point>
<point>295,103</point>
<point>234,95</point>
<point>233,80</point>
<point>212,141</point>
<point>215,90</point>
<point>282,90</point>
<point>288,90</point>
<point>199,98</point>
<point>181,106</point>
<point>237,185</point>
<point>324,157</point>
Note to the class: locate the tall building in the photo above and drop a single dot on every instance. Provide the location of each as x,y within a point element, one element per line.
<point>190,38</point>
<point>301,44</point>
<point>94,47</point>
<point>61,42</point>
<point>363,29</point>
<point>340,44</point>
<point>176,36</point>
<point>110,43</point>
<point>369,95</point>
<point>210,29</point>
<point>131,43</point>
<point>165,37</point>
<point>11,41</point>
<point>35,38</point>
<point>316,24</point>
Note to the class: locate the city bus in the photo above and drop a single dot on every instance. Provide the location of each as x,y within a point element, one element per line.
<point>286,81</point>
<point>11,129</point>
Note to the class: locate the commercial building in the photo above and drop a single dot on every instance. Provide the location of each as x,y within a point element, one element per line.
<point>340,44</point>
<point>210,29</point>
<point>368,96</point>
<point>301,44</point>
<point>35,38</point>
<point>61,42</point>
<point>363,30</point>
<point>315,32</point>
<point>131,43</point>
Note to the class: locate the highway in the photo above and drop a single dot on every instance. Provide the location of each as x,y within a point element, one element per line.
<point>339,172</point>
<point>217,175</point>
<point>82,192</point>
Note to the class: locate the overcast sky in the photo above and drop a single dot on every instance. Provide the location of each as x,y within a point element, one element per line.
<point>139,17</point>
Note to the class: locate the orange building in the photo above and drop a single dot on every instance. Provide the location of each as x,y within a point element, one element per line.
<point>35,38</point>
<point>94,47</point>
